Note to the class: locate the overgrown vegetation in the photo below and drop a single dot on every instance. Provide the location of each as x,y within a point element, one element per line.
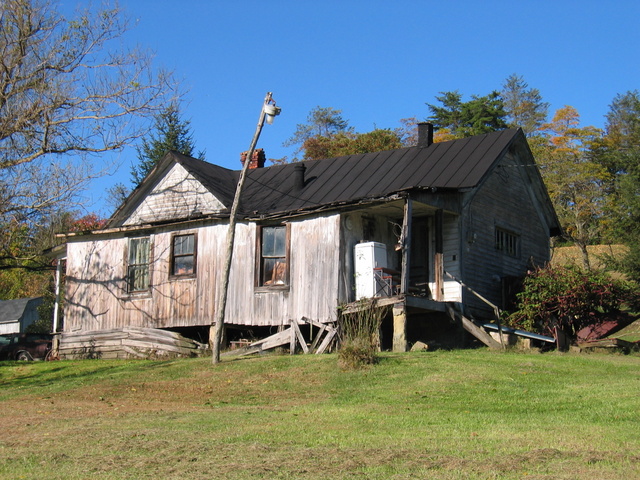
<point>360,335</point>
<point>471,414</point>
<point>569,298</point>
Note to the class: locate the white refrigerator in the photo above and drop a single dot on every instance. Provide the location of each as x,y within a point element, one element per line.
<point>370,255</point>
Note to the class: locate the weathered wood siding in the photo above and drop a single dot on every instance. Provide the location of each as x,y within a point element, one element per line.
<point>451,246</point>
<point>177,195</point>
<point>313,276</point>
<point>97,299</point>
<point>505,201</point>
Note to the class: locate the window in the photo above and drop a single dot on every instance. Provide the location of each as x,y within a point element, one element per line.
<point>138,266</point>
<point>506,242</point>
<point>183,255</point>
<point>273,256</point>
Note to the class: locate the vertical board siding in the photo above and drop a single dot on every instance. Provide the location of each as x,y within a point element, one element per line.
<point>96,289</point>
<point>314,267</point>
<point>94,282</point>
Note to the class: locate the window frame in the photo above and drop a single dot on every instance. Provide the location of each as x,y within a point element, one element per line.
<point>507,242</point>
<point>173,256</point>
<point>129,265</point>
<point>259,267</point>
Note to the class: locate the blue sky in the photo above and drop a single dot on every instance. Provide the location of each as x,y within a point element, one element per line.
<point>377,61</point>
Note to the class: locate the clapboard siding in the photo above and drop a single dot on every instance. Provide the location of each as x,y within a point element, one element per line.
<point>177,195</point>
<point>503,201</point>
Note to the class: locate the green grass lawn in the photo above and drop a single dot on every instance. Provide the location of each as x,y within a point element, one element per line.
<point>471,414</point>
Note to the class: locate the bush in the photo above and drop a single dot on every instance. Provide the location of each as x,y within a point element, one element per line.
<point>360,335</point>
<point>568,298</point>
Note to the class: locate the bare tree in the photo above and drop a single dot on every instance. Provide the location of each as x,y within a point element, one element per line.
<point>66,91</point>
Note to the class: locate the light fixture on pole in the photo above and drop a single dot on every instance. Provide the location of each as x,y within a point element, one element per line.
<point>269,110</point>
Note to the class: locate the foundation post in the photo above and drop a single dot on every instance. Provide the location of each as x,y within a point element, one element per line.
<point>400,327</point>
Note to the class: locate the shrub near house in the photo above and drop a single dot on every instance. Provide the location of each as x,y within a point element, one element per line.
<point>569,298</point>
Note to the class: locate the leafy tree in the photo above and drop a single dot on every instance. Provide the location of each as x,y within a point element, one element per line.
<point>339,144</point>
<point>321,122</point>
<point>623,120</point>
<point>408,131</point>
<point>463,119</point>
<point>568,298</point>
<point>577,185</point>
<point>35,277</point>
<point>619,153</point>
<point>326,135</point>
<point>524,106</point>
<point>66,92</point>
<point>171,133</point>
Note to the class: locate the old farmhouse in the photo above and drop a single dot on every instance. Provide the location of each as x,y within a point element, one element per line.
<point>418,228</point>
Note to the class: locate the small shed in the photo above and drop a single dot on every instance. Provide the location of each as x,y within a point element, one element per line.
<point>16,315</point>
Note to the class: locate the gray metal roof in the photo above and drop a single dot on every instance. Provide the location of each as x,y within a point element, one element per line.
<point>13,310</point>
<point>454,165</point>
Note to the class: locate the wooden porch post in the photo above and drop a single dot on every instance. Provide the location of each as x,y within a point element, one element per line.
<point>438,261</point>
<point>400,327</point>
<point>406,246</point>
<point>56,306</point>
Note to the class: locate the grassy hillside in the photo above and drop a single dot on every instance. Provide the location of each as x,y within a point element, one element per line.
<point>445,415</point>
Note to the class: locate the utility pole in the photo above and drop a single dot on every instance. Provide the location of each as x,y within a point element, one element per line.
<point>267,111</point>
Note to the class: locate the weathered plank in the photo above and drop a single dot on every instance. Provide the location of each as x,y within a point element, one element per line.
<point>298,334</point>
<point>318,336</point>
<point>327,341</point>
<point>473,329</point>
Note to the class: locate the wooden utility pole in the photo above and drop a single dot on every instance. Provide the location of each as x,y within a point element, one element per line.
<point>215,332</point>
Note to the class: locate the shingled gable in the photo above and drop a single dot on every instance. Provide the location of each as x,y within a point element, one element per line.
<point>199,176</point>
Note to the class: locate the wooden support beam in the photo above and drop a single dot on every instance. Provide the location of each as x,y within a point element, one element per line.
<point>473,329</point>
<point>438,261</point>
<point>327,341</point>
<point>292,339</point>
<point>406,246</point>
<point>298,334</point>
<point>317,338</point>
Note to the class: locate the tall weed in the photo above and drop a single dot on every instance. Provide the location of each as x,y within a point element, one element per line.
<point>360,335</point>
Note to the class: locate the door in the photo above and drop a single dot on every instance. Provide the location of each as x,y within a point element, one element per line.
<point>419,258</point>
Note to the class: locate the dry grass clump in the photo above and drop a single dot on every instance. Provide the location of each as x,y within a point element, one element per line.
<point>360,335</point>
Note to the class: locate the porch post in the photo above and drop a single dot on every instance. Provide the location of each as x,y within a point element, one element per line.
<point>406,246</point>
<point>56,306</point>
<point>438,261</point>
<point>399,327</point>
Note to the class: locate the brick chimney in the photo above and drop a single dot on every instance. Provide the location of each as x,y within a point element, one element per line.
<point>257,159</point>
<point>425,134</point>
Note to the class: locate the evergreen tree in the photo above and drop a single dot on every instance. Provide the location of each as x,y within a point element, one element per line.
<point>171,133</point>
<point>463,119</point>
<point>523,105</point>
